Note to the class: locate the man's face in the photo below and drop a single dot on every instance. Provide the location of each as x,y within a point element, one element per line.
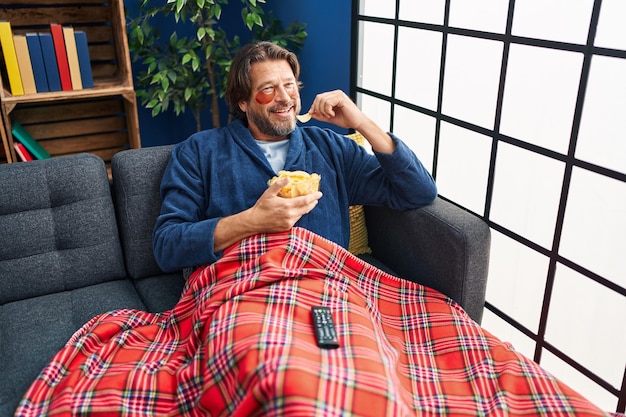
<point>274,101</point>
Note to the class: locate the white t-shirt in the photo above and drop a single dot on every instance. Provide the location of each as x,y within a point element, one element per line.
<point>275,152</point>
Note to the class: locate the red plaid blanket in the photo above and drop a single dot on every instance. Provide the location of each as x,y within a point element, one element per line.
<point>240,342</point>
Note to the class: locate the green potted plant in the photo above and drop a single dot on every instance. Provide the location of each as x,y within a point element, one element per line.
<point>188,67</point>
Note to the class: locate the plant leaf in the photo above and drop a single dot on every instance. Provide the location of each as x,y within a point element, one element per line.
<point>257,19</point>
<point>179,5</point>
<point>200,33</point>
<point>249,21</point>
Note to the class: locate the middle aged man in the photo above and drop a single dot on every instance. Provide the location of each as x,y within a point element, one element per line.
<point>215,190</point>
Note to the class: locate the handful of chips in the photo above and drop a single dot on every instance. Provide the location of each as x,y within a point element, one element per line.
<point>300,183</point>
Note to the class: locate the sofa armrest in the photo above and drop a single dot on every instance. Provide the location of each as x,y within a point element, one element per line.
<point>440,246</point>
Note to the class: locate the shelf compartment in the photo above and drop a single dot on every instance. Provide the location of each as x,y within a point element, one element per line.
<point>103,23</point>
<point>98,126</point>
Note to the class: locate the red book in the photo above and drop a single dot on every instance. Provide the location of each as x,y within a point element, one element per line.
<point>59,48</point>
<point>22,152</point>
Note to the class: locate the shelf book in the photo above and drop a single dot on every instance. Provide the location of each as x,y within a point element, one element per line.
<point>72,57</point>
<point>26,67</point>
<point>29,142</point>
<point>61,54</point>
<point>10,59</point>
<point>22,152</point>
<point>50,61</point>
<point>82,49</point>
<point>36,61</point>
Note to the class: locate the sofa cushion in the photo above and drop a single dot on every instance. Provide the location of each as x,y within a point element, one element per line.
<point>136,183</point>
<point>58,227</point>
<point>33,330</point>
<point>160,292</point>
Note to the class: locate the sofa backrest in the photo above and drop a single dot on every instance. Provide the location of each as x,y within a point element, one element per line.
<point>136,183</point>
<point>57,226</point>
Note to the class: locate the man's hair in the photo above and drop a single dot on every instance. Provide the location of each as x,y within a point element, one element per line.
<point>239,85</point>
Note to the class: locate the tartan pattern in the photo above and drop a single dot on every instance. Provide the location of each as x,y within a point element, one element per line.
<point>240,343</point>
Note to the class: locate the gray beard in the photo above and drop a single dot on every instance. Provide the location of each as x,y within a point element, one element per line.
<point>268,128</point>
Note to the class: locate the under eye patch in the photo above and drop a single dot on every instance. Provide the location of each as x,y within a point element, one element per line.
<point>264,98</point>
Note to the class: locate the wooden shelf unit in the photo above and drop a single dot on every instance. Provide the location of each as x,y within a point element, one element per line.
<point>101,120</point>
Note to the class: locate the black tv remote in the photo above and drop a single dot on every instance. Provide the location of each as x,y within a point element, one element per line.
<point>324,327</point>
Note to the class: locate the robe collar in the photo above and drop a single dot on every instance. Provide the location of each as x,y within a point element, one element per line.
<point>241,135</point>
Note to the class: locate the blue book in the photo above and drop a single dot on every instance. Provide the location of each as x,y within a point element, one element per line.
<point>36,61</point>
<point>84,62</point>
<point>50,61</point>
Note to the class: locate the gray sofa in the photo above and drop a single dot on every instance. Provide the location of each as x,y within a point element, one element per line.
<point>75,244</point>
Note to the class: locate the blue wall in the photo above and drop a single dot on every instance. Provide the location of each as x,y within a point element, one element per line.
<point>325,61</point>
